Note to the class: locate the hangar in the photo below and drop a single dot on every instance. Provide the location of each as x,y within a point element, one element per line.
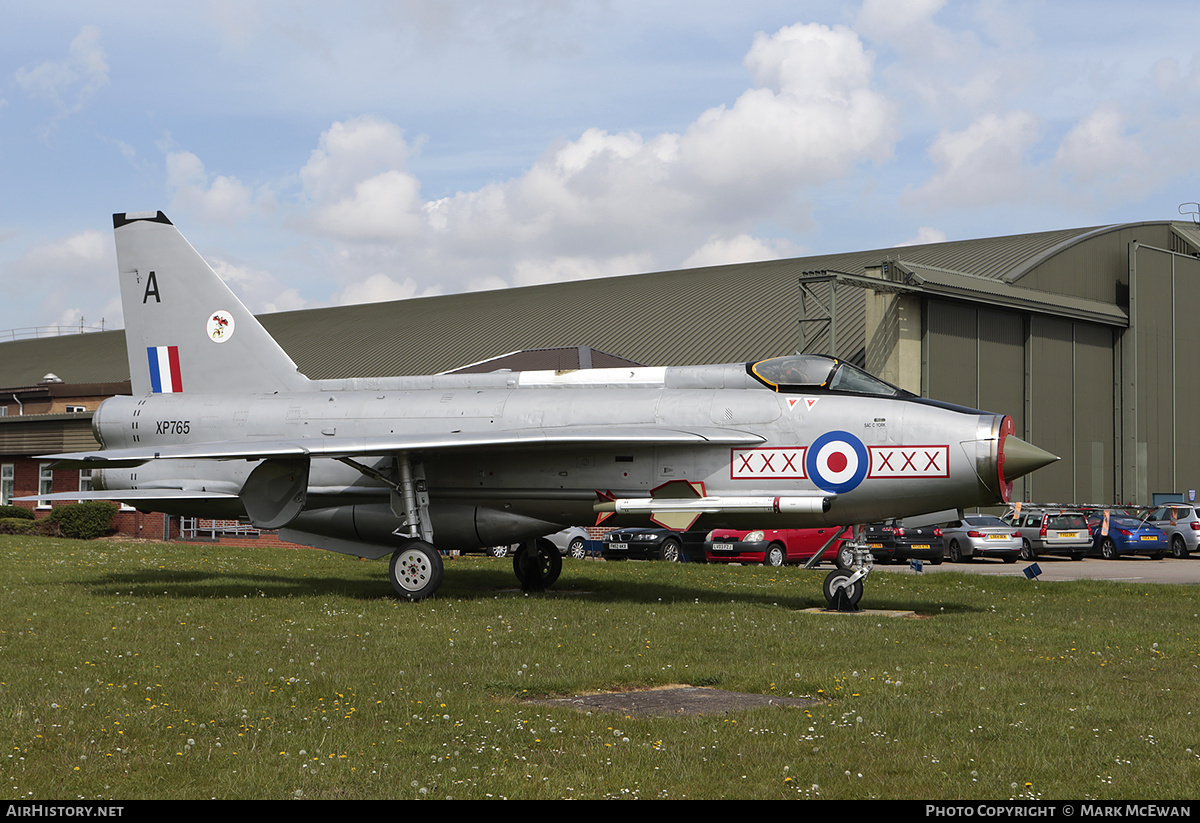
<point>1084,336</point>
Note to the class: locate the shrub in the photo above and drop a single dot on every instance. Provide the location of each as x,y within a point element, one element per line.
<point>84,521</point>
<point>16,511</point>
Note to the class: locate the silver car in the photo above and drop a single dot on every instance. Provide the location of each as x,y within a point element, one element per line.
<point>981,535</point>
<point>1051,531</point>
<point>1181,522</point>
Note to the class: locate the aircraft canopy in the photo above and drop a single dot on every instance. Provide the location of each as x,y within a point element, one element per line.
<point>816,372</point>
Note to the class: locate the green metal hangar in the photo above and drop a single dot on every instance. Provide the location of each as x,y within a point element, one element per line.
<point>1084,336</point>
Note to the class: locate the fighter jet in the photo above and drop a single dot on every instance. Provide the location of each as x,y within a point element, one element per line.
<point>222,424</point>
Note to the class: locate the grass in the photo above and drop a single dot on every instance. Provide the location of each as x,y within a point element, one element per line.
<point>142,670</point>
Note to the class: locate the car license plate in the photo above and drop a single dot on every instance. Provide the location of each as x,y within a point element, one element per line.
<point>619,547</point>
<point>722,547</point>
<point>1149,537</point>
<point>1068,534</point>
<point>921,546</point>
<point>997,537</point>
<point>874,545</point>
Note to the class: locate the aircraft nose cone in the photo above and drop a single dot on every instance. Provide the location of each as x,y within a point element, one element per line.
<point>1020,458</point>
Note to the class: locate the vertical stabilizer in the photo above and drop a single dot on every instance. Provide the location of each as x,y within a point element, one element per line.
<point>184,329</point>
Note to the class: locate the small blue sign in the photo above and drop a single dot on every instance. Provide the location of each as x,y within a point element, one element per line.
<point>915,565</point>
<point>1032,571</point>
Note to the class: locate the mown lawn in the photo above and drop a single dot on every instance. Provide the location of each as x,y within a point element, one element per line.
<point>145,670</point>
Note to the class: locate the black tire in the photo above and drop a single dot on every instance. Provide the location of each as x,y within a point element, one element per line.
<point>576,549</point>
<point>935,561</point>
<point>774,555</point>
<point>548,563</point>
<point>498,551</point>
<point>835,581</point>
<point>669,550</point>
<point>1010,558</point>
<point>1108,549</point>
<point>844,559</point>
<point>955,552</point>
<point>1078,555</point>
<point>416,570</point>
<point>1178,547</point>
<point>1027,552</point>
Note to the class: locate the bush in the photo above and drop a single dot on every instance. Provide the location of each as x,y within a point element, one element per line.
<point>84,521</point>
<point>16,511</point>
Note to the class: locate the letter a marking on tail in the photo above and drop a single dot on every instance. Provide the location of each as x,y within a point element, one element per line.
<point>151,289</point>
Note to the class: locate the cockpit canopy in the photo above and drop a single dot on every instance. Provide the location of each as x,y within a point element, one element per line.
<point>817,372</point>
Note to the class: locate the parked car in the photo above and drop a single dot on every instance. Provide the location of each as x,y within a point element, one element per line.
<point>1181,523</point>
<point>891,540</point>
<point>650,543</point>
<point>571,541</point>
<point>772,547</point>
<point>1051,531</point>
<point>981,535</point>
<point>1126,535</point>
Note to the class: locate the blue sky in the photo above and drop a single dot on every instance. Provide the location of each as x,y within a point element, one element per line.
<point>322,154</point>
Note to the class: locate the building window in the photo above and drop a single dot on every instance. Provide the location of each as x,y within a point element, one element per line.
<point>45,483</point>
<point>85,480</point>
<point>6,484</point>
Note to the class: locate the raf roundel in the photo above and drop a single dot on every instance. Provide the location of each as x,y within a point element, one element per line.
<point>220,326</point>
<point>837,462</point>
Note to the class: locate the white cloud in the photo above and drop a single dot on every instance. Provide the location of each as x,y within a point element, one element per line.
<point>357,183</point>
<point>224,200</point>
<point>925,234</point>
<point>378,288</point>
<point>69,83</point>
<point>810,118</point>
<point>77,270</point>
<point>719,251</point>
<point>1099,147</point>
<point>984,163</point>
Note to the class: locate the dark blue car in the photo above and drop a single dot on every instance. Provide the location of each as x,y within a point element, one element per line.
<point>1126,535</point>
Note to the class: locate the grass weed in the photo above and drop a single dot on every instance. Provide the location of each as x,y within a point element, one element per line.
<point>149,670</point>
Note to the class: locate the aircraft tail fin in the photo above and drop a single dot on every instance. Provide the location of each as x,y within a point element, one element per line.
<point>185,331</point>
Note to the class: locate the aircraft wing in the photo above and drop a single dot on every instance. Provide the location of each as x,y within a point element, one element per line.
<point>334,446</point>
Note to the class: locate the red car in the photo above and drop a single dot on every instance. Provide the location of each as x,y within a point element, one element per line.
<point>772,547</point>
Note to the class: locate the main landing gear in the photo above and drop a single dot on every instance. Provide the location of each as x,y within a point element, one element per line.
<point>537,564</point>
<point>416,570</point>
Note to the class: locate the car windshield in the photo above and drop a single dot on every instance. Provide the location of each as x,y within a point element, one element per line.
<point>807,372</point>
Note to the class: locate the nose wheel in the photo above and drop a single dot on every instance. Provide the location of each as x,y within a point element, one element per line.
<point>843,587</point>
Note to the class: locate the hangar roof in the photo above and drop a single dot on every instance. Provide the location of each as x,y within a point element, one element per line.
<point>732,313</point>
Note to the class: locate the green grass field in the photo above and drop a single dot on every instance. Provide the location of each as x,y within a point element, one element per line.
<point>143,670</point>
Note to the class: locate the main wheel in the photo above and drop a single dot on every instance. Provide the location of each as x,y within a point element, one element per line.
<point>774,555</point>
<point>416,570</point>
<point>837,581</point>
<point>1108,549</point>
<point>1178,547</point>
<point>669,550</point>
<point>540,568</point>
<point>576,549</point>
<point>498,551</point>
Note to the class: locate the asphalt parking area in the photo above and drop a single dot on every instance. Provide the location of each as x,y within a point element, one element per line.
<point>1129,569</point>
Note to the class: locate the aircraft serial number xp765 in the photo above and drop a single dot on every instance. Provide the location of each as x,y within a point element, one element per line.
<point>221,424</point>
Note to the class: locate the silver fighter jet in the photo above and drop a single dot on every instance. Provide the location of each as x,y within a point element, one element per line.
<point>222,424</point>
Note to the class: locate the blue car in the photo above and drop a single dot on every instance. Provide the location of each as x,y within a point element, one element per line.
<point>1126,535</point>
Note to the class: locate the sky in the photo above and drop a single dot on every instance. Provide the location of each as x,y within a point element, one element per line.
<point>324,154</point>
